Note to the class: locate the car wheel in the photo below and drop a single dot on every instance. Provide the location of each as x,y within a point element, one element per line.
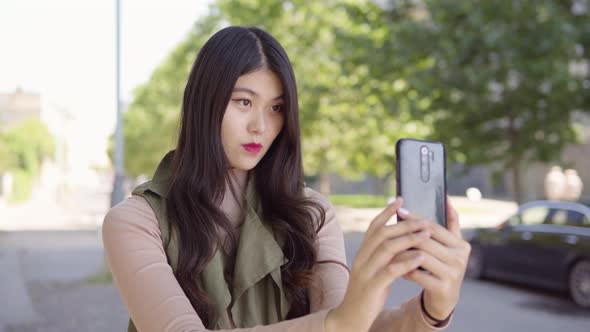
<point>579,283</point>
<point>475,263</point>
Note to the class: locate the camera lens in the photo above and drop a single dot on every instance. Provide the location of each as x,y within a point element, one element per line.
<point>424,150</point>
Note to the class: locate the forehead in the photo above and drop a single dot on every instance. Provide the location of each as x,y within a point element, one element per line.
<point>263,82</point>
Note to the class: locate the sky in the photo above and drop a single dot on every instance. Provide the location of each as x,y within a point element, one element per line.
<point>65,50</point>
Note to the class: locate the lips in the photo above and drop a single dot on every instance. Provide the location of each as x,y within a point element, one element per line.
<point>252,147</point>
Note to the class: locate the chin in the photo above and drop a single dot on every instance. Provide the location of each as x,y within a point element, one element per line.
<point>246,166</point>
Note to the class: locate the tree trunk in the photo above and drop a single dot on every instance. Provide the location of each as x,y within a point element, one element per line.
<point>513,136</point>
<point>517,182</point>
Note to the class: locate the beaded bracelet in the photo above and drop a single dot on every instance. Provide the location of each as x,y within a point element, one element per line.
<point>439,322</point>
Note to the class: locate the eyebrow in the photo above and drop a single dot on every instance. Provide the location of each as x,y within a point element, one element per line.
<point>252,92</point>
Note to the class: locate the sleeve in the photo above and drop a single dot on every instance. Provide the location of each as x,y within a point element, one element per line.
<point>154,299</point>
<point>333,277</point>
<point>331,271</point>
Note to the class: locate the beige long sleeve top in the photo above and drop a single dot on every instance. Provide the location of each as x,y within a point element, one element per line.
<point>156,302</point>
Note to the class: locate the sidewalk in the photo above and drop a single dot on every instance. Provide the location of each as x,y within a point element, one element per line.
<point>45,283</point>
<point>82,209</point>
<point>484,213</point>
<point>48,251</point>
<point>16,305</point>
<point>88,208</point>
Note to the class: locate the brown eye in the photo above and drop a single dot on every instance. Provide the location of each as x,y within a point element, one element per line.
<point>277,108</point>
<point>243,102</point>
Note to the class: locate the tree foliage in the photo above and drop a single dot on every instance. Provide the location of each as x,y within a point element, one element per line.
<point>497,76</point>
<point>492,79</point>
<point>342,110</point>
<point>22,150</point>
<point>151,123</point>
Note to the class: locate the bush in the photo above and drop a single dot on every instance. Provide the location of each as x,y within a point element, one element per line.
<point>22,150</point>
<point>22,185</point>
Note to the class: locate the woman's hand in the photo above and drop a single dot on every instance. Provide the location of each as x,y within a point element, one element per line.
<point>382,258</point>
<point>445,259</point>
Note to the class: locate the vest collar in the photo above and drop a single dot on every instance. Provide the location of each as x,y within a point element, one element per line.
<point>162,180</point>
<point>257,243</point>
<point>258,254</point>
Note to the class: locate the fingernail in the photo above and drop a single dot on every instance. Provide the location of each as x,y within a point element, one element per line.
<point>419,258</point>
<point>403,212</point>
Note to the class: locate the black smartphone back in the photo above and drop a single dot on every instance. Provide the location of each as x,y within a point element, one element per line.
<point>421,178</point>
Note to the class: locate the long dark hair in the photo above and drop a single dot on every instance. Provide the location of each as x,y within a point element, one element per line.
<point>200,168</point>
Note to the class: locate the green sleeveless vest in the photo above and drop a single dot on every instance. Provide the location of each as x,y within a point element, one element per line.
<point>258,296</point>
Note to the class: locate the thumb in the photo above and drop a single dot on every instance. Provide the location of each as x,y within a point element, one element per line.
<point>453,219</point>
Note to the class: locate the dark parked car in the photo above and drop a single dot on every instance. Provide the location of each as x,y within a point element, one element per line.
<point>546,244</point>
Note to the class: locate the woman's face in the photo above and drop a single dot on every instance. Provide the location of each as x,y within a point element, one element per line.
<point>253,119</point>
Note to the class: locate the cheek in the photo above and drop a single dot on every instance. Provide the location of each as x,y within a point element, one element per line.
<point>278,124</point>
<point>228,128</point>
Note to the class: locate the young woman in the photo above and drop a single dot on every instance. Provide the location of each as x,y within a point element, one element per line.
<point>226,235</point>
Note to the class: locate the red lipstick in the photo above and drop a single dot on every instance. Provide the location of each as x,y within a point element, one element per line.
<point>252,147</point>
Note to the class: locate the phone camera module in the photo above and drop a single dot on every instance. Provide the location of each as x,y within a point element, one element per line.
<point>424,164</point>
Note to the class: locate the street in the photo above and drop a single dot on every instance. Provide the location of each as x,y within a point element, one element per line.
<point>488,306</point>
<point>45,288</point>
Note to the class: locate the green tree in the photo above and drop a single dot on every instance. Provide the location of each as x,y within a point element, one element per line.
<point>344,107</point>
<point>580,18</point>
<point>496,75</point>
<point>344,119</point>
<point>151,123</point>
<point>8,159</point>
<point>23,149</point>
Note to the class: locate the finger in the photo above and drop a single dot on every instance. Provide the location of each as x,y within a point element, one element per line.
<point>453,219</point>
<point>375,227</point>
<point>424,279</point>
<point>385,215</point>
<point>445,236</point>
<point>454,253</point>
<point>397,269</point>
<point>389,249</point>
<point>405,215</point>
<point>374,240</point>
<point>404,255</point>
<point>437,268</point>
<point>437,250</point>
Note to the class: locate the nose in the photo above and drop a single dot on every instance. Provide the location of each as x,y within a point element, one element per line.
<point>257,123</point>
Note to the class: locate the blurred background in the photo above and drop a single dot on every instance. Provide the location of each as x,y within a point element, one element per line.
<point>90,95</point>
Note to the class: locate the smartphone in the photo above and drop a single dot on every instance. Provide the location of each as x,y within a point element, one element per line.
<point>421,178</point>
